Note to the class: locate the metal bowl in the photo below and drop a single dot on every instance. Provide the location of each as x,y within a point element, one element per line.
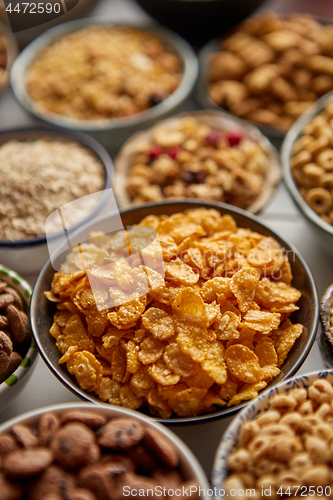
<point>111,132</point>
<point>28,256</point>
<point>42,310</point>
<point>322,229</point>
<point>199,20</point>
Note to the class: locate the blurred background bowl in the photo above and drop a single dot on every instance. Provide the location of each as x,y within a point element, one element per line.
<point>229,440</point>
<point>199,20</point>
<point>217,120</point>
<point>320,228</point>
<point>110,132</point>
<point>28,256</point>
<point>326,310</point>
<point>189,466</point>
<point>42,310</point>
<point>9,40</point>
<point>16,382</point>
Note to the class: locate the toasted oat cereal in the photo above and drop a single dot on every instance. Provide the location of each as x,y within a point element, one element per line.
<point>312,163</point>
<point>40,176</point>
<point>103,72</point>
<point>198,338</point>
<point>272,68</point>
<point>285,450</point>
<point>188,158</point>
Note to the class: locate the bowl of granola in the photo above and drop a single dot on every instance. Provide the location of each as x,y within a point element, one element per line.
<point>80,450</point>
<point>105,79</point>
<point>43,169</point>
<point>307,164</point>
<point>185,315</point>
<point>202,154</point>
<point>269,70</point>
<point>18,351</point>
<point>278,444</point>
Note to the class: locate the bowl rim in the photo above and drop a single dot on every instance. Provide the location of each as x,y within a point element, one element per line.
<point>25,291</point>
<point>286,153</point>
<point>186,453</point>
<point>273,174</point>
<point>30,53</point>
<point>83,140</point>
<point>231,433</point>
<point>227,411</point>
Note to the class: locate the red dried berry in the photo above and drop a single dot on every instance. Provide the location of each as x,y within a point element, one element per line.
<point>234,137</point>
<point>174,151</point>
<point>155,151</point>
<point>213,137</point>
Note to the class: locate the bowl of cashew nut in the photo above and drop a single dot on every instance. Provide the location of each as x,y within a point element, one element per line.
<point>307,160</point>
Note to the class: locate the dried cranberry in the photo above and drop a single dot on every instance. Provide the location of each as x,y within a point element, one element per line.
<point>213,137</point>
<point>174,151</point>
<point>200,177</point>
<point>187,177</point>
<point>234,137</point>
<point>155,151</point>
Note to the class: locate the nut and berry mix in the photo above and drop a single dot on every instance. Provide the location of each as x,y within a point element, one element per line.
<point>83,455</point>
<point>287,448</point>
<point>209,331</point>
<point>15,332</point>
<point>38,177</point>
<point>104,72</point>
<point>273,68</point>
<point>312,163</point>
<point>189,158</point>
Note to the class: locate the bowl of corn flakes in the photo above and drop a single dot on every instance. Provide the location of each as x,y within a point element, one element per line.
<point>269,70</point>
<point>186,314</point>
<point>278,444</point>
<point>307,164</point>
<point>202,154</point>
<point>103,78</point>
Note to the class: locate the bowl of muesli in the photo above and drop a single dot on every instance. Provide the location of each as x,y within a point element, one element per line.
<point>44,169</point>
<point>103,78</point>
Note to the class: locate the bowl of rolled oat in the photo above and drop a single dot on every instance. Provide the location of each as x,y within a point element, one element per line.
<point>269,70</point>
<point>103,78</point>
<point>203,154</point>
<point>278,445</point>
<point>81,451</point>
<point>185,315</point>
<point>307,163</point>
<point>43,169</point>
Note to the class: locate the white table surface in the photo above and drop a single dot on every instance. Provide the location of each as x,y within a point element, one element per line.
<point>281,215</point>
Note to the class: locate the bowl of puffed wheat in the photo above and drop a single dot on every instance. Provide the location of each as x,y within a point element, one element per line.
<point>52,180</point>
<point>278,445</point>
<point>185,313</point>
<point>307,163</point>
<point>105,79</point>
<point>269,70</point>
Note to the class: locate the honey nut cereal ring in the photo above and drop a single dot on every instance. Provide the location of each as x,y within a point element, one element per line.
<point>301,143</point>
<point>325,159</point>
<point>315,125</point>
<point>319,199</point>
<point>318,145</point>
<point>301,159</point>
<point>313,173</point>
<point>326,181</point>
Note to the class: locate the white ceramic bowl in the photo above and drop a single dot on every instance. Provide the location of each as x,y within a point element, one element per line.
<point>14,384</point>
<point>189,465</point>
<point>111,132</point>
<point>230,438</point>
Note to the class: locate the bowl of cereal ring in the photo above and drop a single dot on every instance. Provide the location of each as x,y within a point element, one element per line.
<point>185,315</point>
<point>268,70</point>
<point>103,78</point>
<point>79,450</point>
<point>203,154</point>
<point>307,161</point>
<point>18,350</point>
<point>279,443</point>
<point>45,168</point>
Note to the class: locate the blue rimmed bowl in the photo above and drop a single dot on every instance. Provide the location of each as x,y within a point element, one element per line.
<point>14,384</point>
<point>229,440</point>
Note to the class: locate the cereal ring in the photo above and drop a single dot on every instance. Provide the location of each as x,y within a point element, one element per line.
<point>71,445</point>
<point>90,418</point>
<point>319,199</point>
<point>20,464</point>
<point>121,434</point>
<point>301,159</point>
<point>6,348</point>
<point>326,181</point>
<point>161,447</point>
<point>325,159</point>
<point>313,173</point>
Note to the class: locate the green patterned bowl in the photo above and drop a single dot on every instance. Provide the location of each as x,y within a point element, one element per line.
<point>17,380</point>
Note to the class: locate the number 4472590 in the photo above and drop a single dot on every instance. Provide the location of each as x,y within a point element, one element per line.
<point>34,8</point>
<point>305,491</point>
